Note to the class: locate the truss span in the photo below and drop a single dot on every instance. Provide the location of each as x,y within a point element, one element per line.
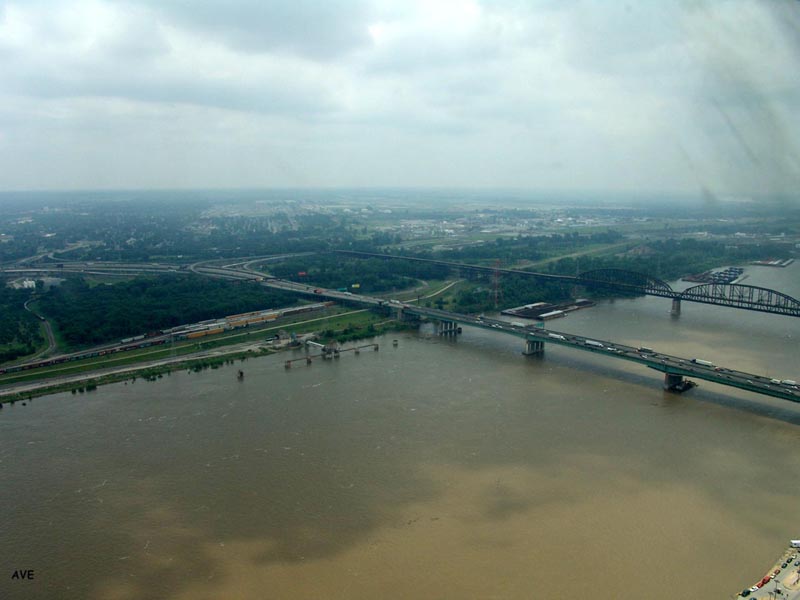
<point>621,279</point>
<point>743,296</point>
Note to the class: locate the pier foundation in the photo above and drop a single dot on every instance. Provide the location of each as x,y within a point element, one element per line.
<point>676,307</point>
<point>533,347</point>
<point>448,328</point>
<point>672,381</point>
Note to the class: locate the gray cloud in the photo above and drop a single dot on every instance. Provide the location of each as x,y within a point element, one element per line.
<point>589,95</point>
<point>320,29</point>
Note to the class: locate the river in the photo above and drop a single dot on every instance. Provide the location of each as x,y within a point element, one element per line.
<point>434,469</point>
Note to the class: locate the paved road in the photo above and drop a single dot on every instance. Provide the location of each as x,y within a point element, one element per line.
<point>51,340</point>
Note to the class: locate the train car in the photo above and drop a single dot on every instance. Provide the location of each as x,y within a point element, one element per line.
<point>131,339</point>
<point>199,334</point>
<point>241,316</point>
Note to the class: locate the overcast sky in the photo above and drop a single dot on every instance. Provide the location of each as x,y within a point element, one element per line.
<point>542,95</point>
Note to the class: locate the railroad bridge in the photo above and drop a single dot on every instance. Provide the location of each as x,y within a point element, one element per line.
<point>621,281</point>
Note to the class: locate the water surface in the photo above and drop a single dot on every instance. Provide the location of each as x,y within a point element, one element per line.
<point>436,469</point>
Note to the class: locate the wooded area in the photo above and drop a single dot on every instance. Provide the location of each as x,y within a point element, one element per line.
<point>20,333</point>
<point>85,315</point>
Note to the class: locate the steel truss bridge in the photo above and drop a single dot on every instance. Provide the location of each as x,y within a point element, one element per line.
<point>732,295</point>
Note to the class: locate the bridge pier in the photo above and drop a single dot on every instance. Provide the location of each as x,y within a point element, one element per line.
<point>533,347</point>
<point>448,328</point>
<point>672,380</point>
<point>676,307</point>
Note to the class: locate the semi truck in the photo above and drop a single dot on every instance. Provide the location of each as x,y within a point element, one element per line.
<point>705,363</point>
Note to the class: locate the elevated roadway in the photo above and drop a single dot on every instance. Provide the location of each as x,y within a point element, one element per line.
<point>675,368</point>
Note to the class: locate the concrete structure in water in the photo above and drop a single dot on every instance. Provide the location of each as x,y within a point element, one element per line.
<point>447,328</point>
<point>533,347</point>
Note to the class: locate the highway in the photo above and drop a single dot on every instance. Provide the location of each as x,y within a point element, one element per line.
<point>666,363</point>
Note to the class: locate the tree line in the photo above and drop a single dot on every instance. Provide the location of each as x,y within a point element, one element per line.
<point>86,315</point>
<point>20,332</point>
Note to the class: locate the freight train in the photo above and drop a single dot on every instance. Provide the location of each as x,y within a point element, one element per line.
<point>181,332</point>
<point>210,327</point>
<point>81,356</point>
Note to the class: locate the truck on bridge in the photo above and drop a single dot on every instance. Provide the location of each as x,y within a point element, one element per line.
<point>705,363</point>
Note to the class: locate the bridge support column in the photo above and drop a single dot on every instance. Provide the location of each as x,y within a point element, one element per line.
<point>448,328</point>
<point>533,347</point>
<point>676,307</point>
<point>672,382</point>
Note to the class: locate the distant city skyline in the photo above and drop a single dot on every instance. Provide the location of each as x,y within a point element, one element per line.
<point>672,97</point>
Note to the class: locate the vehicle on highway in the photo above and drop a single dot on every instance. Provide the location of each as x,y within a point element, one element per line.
<point>646,350</point>
<point>594,344</point>
<point>704,363</point>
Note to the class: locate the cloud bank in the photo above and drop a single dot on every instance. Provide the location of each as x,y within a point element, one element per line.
<point>673,96</point>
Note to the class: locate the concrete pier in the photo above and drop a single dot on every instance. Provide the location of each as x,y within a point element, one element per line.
<point>672,381</point>
<point>676,307</point>
<point>533,347</point>
<point>448,328</point>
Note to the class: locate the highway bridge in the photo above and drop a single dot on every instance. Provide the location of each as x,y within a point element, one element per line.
<point>732,295</point>
<point>674,368</point>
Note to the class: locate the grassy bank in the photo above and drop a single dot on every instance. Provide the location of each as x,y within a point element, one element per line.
<point>344,327</point>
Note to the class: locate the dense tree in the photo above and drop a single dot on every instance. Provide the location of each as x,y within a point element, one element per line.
<point>20,333</point>
<point>87,315</point>
<point>371,274</point>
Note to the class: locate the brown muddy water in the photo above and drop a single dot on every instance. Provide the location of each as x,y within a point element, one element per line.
<point>434,469</point>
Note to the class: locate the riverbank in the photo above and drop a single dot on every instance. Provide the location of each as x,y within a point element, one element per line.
<point>148,371</point>
<point>151,370</point>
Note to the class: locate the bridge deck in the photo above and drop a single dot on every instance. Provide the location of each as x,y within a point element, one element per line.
<point>665,363</point>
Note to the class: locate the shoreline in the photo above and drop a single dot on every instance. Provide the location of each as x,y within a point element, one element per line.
<point>151,370</point>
